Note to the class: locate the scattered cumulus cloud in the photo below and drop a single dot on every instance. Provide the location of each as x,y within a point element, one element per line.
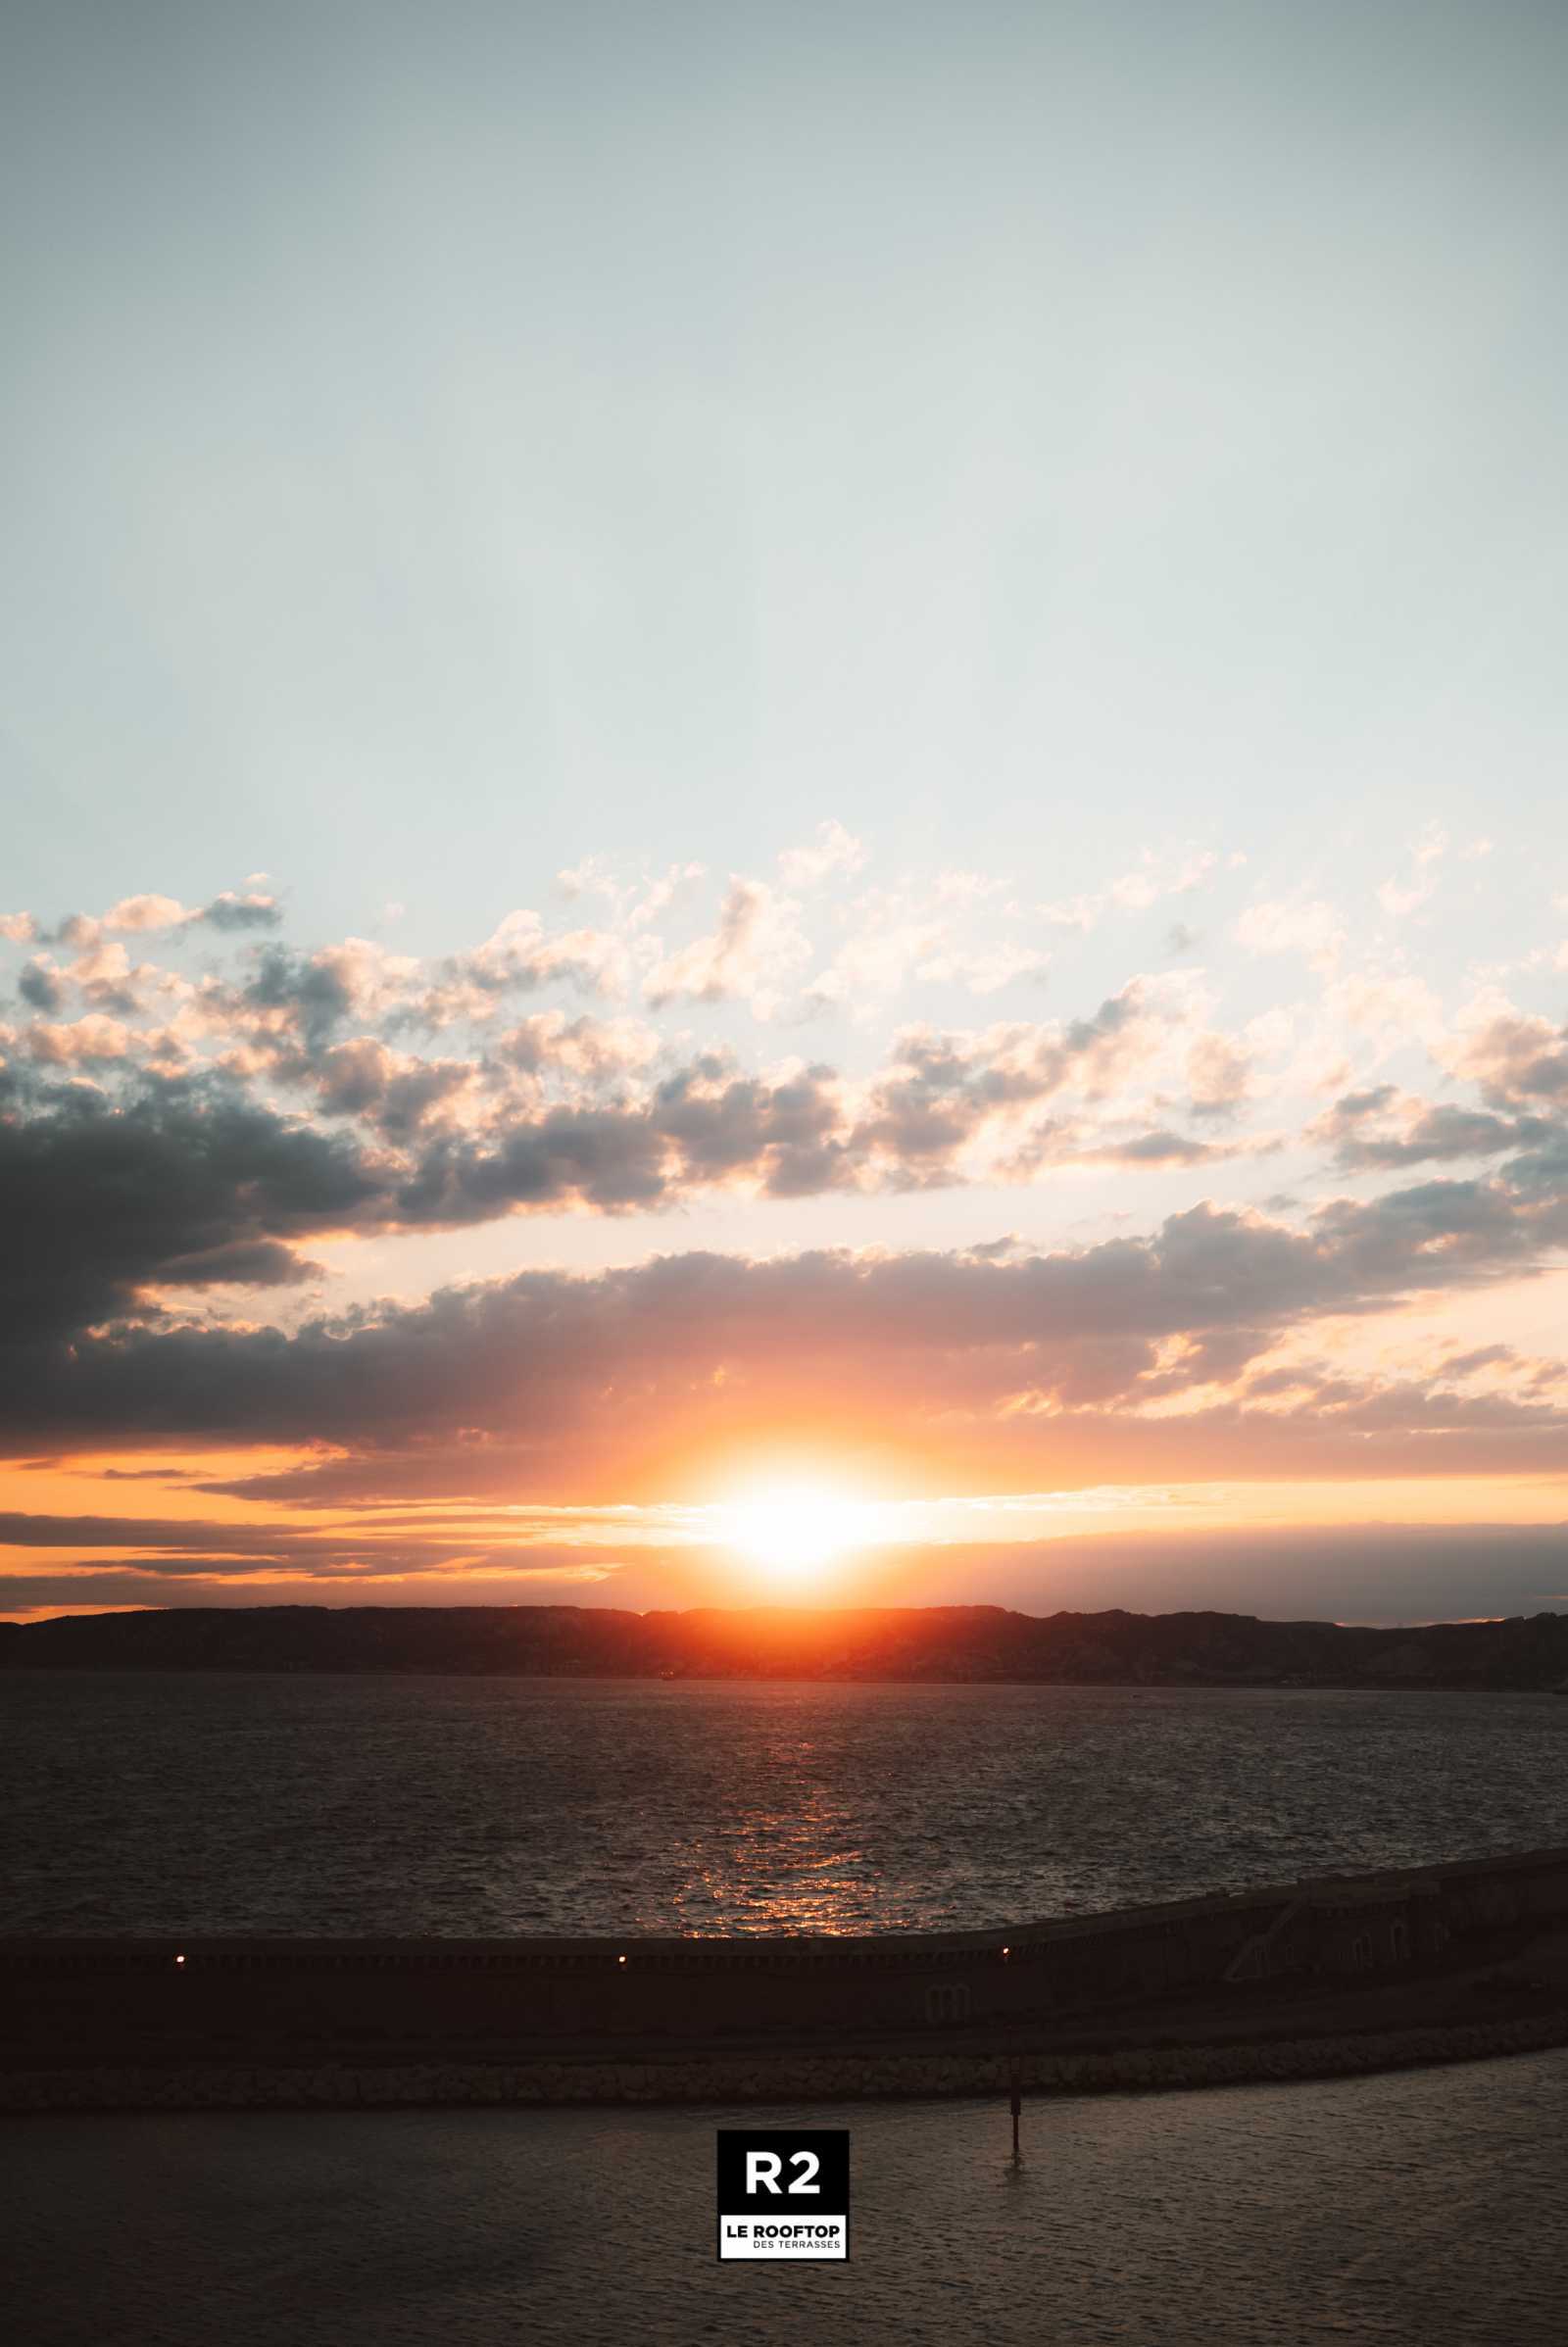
<point>1401,896</point>
<point>752,954</point>
<point>834,851</point>
<point>1307,926</point>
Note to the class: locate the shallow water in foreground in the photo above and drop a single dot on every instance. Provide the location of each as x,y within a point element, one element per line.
<point>228,1802</point>
<point>1423,2208</point>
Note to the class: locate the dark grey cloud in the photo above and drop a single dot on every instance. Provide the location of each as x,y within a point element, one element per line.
<point>237,1552</point>
<point>788,1131</point>
<point>629,1356</point>
<point>1382,1129</point>
<point>41,987</point>
<point>1540,1172</point>
<point>313,990</point>
<point>230,912</point>
<point>1516,1058</point>
<point>397,1097</point>
<point>1161,1148</point>
<point>561,1114</point>
<point>193,1181</point>
<point>937,1097</point>
<point>21,1529</point>
<point>180,1185</point>
<point>697,1129</point>
<point>941,1090</point>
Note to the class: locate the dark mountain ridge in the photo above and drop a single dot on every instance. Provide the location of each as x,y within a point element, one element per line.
<point>948,1643</point>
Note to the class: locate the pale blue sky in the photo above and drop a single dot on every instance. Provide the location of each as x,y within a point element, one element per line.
<point>442,439</point>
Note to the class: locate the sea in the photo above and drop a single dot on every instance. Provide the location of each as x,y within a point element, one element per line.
<point>230,1802</point>
<point>1423,2207</point>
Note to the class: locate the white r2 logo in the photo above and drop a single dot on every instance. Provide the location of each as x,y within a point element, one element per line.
<point>762,2172</point>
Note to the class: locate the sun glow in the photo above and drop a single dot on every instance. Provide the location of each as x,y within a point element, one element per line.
<point>796,1530</point>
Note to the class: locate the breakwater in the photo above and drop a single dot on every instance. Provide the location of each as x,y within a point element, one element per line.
<point>1302,1980</point>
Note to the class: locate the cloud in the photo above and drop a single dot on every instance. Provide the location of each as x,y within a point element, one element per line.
<point>83,1043</point>
<point>229,911</point>
<point>398,1095</point>
<point>551,1112</point>
<point>1399,897</point>
<point>925,935</point>
<point>637,1361</point>
<point>751,956</point>
<point>180,1185</point>
<point>106,978</point>
<point>41,986</point>
<point>1515,1059</point>
<point>985,969</point>
<point>145,912</point>
<point>1151,879</point>
<point>702,1126</point>
<point>1156,1148</point>
<point>944,1093</point>
<point>278,1008</point>
<point>555,1114</point>
<point>833,851</point>
<point>310,995</point>
<point>1136,891</point>
<point>549,1044</point>
<point>1218,1073</point>
<point>1298,925</point>
<point>1383,1129</point>
<point>518,958</point>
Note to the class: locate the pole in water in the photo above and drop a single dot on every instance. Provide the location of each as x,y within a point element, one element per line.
<point>1016,2100</point>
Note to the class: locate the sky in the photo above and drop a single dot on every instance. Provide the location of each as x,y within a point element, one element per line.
<point>783,806</point>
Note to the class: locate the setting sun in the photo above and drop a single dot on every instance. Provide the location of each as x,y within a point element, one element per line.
<point>795,1530</point>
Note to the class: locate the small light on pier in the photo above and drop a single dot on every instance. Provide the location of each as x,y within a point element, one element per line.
<point>621,1959</point>
<point>1005,1953</point>
<point>180,1959</point>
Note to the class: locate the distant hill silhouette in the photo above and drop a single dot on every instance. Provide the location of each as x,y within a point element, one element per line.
<point>946,1642</point>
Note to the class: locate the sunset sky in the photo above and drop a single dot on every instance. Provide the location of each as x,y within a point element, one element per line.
<point>785,806</point>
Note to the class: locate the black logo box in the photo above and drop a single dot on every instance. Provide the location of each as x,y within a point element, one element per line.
<point>803,2190</point>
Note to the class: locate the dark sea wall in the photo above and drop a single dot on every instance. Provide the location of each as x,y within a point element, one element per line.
<point>936,1644</point>
<point>1349,1953</point>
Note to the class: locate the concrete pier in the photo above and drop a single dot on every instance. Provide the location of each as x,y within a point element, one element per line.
<point>1298,1981</point>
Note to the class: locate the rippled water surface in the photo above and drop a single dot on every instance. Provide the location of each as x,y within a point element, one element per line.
<point>1423,2208</point>
<point>230,1802</point>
